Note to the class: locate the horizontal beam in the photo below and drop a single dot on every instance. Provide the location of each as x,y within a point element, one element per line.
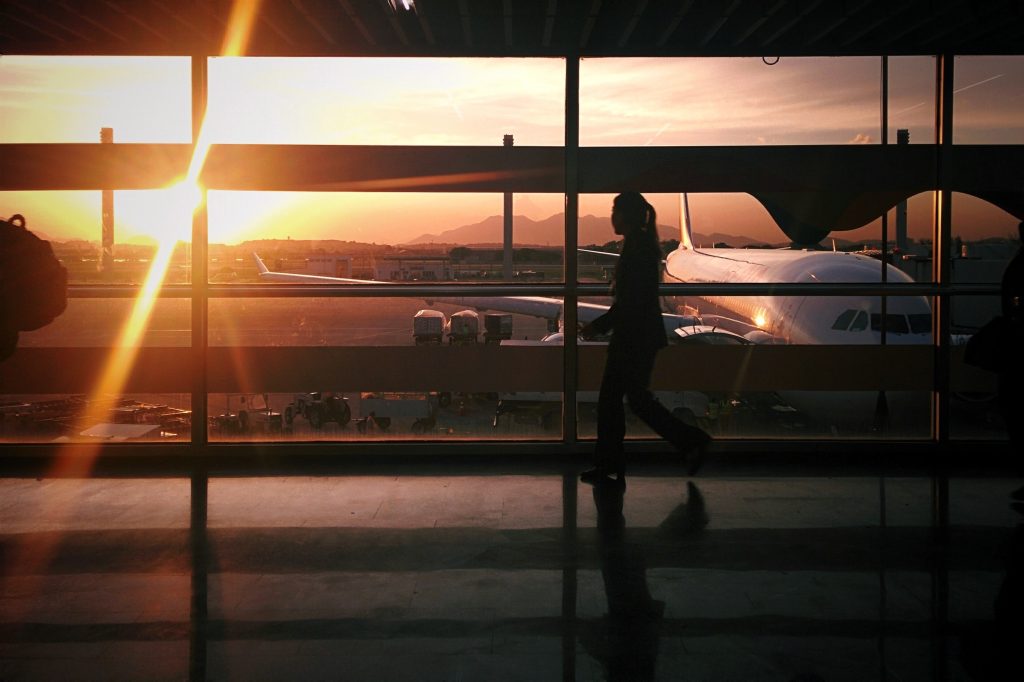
<point>905,169</point>
<point>469,290</point>
<point>311,168</point>
<point>478,368</point>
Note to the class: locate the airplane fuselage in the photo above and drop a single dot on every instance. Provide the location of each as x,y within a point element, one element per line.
<point>800,319</point>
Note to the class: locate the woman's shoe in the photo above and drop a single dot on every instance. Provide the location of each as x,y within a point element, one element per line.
<point>600,473</point>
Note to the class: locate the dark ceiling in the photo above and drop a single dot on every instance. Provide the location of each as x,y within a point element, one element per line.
<point>765,28</point>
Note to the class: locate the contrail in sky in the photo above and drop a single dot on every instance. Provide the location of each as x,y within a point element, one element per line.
<point>656,135</point>
<point>966,87</point>
<point>982,82</point>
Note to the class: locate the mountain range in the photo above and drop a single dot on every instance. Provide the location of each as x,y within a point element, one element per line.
<point>548,232</point>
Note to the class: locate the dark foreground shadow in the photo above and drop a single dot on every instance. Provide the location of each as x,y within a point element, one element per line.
<point>626,642</point>
<point>992,651</point>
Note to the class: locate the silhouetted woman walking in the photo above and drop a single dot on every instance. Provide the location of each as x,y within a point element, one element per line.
<point>638,333</point>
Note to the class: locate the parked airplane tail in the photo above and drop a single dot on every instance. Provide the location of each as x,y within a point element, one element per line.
<point>260,264</point>
<point>685,227</point>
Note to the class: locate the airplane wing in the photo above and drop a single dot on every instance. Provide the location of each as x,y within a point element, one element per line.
<point>599,253</point>
<point>536,306</point>
<point>267,274</point>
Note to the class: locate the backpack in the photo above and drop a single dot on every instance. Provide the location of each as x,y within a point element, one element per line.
<point>33,283</point>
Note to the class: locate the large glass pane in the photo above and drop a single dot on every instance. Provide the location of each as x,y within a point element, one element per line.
<point>728,101</point>
<point>385,368</point>
<point>975,408</point>
<point>737,378</point>
<point>116,322</point>
<point>386,101</point>
<point>69,99</point>
<point>912,100</point>
<point>984,240</point>
<point>908,240</point>
<point>95,418</point>
<point>374,321</point>
<point>988,96</point>
<point>123,374</point>
<point>733,238</point>
<point>423,237</point>
<point>148,238</point>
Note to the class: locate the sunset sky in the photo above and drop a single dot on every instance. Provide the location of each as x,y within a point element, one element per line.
<point>475,102</point>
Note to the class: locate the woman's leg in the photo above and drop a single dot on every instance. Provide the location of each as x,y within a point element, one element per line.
<point>611,417</point>
<point>644,405</point>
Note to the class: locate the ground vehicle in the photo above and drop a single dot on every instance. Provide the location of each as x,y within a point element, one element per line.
<point>379,408</point>
<point>246,412</point>
<point>318,408</point>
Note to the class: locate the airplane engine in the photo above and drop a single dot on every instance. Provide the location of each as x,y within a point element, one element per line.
<point>764,338</point>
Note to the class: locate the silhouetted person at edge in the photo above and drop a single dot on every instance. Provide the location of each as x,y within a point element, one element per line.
<point>33,283</point>
<point>1011,376</point>
<point>992,651</point>
<point>638,333</point>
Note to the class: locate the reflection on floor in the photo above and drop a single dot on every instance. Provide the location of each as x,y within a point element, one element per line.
<point>500,578</point>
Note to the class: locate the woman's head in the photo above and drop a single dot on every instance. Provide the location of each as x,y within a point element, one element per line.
<point>630,211</point>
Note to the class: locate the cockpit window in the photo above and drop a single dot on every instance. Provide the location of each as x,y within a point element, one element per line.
<point>894,324</point>
<point>842,322</point>
<point>860,323</point>
<point>920,323</point>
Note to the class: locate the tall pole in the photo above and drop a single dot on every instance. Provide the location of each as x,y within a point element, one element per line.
<point>107,215</point>
<point>902,137</point>
<point>506,269</point>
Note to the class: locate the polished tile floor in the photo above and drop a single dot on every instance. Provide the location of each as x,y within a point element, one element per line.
<point>500,578</point>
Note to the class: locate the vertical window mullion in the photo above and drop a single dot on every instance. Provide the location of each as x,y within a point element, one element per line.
<point>570,316</point>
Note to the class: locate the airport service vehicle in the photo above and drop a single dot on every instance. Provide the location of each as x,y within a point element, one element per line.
<point>463,328</point>
<point>246,412</point>
<point>318,408</point>
<point>497,327</point>
<point>378,409</point>
<point>428,327</point>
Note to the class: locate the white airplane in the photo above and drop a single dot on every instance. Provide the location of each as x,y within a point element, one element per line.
<point>797,319</point>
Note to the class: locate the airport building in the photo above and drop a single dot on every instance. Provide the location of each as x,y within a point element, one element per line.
<point>331,266</point>
<point>237,455</point>
<point>412,267</point>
